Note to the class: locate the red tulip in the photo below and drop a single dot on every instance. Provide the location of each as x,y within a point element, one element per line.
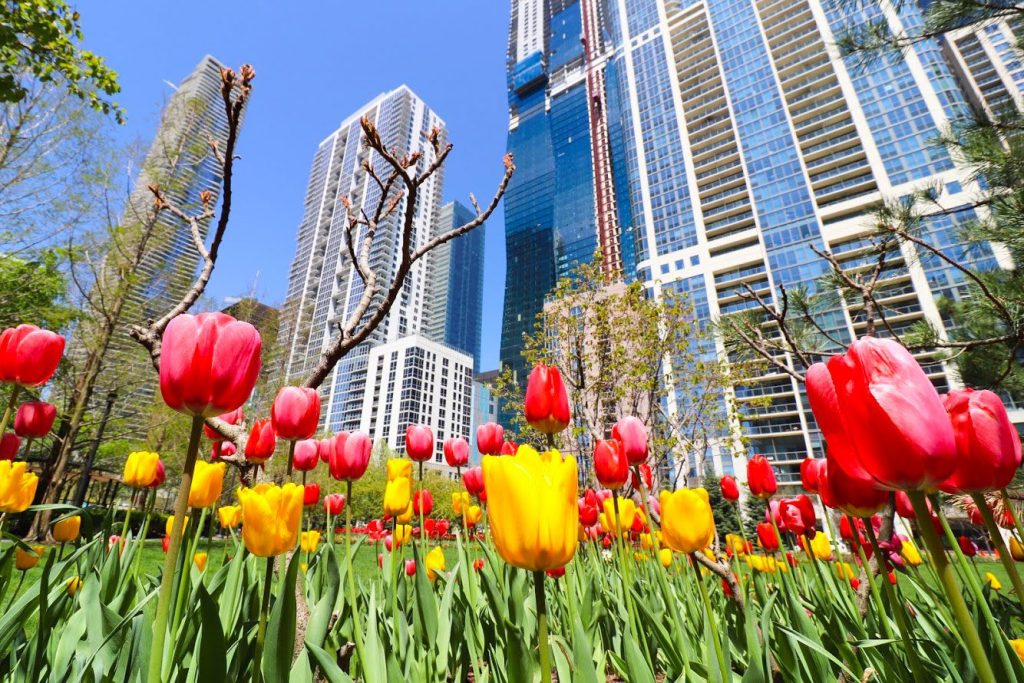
<point>967,546</point>
<point>857,497</point>
<point>324,448</point>
<point>796,515</point>
<point>610,464</point>
<point>761,477</point>
<point>730,489</point>
<point>34,420</point>
<point>489,438</point>
<point>903,507</point>
<point>726,588</point>
<point>311,494</point>
<point>473,480</point>
<point>589,508</point>
<point>632,434</point>
<point>295,413</point>
<point>791,559</point>
<point>422,502</point>
<point>987,444</point>
<point>766,534</point>
<point>350,455</point>
<point>9,445</point>
<point>209,363</point>
<point>419,442</point>
<point>892,578</point>
<point>974,515</point>
<point>261,443</point>
<point>846,531</point>
<point>547,404</point>
<point>556,573</point>
<point>888,406</point>
<point>375,529</point>
<point>232,418</point>
<point>809,471</point>
<point>478,563</point>
<point>854,583</point>
<point>165,543</point>
<point>334,504</point>
<point>380,560</point>
<point>161,475</point>
<point>222,449</point>
<point>508,448</point>
<point>410,567</point>
<point>456,452</point>
<point>306,455</point>
<point>28,355</point>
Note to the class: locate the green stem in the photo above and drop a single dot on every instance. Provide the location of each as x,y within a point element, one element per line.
<point>127,518</point>
<point>1013,515</point>
<point>261,629</point>
<point>876,597</point>
<point>1000,545</point>
<point>186,565</point>
<point>170,561</point>
<point>899,610</point>
<point>710,616</point>
<point>6,420</point>
<point>956,599</point>
<point>974,583</point>
<point>542,626</point>
<point>357,628</point>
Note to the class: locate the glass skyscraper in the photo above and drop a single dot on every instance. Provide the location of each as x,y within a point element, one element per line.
<point>737,140</point>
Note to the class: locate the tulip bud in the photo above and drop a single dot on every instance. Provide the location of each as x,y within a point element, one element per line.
<point>160,477</point>
<point>295,413</point>
<point>456,452</point>
<point>9,445</point>
<point>28,355</point>
<point>546,403</point>
<point>810,469</point>
<point>610,464</point>
<point>761,477</point>
<point>261,443</point>
<point>311,494</point>
<point>766,536</point>
<point>509,448</point>
<point>422,503</point>
<point>987,444</point>
<point>631,433</point>
<point>306,455</point>
<point>419,442</point>
<point>349,455</point>
<point>473,480</point>
<point>410,567</point>
<point>334,504</point>
<point>34,420</point>
<point>489,438</point>
<point>730,490</point>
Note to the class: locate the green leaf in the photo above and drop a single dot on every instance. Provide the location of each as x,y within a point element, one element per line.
<point>320,619</point>
<point>280,638</point>
<point>212,665</point>
<point>426,603</point>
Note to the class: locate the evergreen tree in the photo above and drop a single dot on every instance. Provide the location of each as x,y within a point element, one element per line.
<point>753,513</point>
<point>723,510</point>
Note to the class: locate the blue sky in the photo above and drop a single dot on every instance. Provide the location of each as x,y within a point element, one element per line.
<point>316,62</point>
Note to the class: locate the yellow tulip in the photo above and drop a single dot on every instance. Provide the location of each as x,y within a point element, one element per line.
<point>736,544</point>
<point>608,518</point>
<point>270,518</point>
<point>532,510</point>
<point>460,502</point>
<point>207,482</point>
<point>309,541</point>
<point>1018,647</point>
<point>845,570</point>
<point>401,535</point>
<point>992,581</point>
<point>639,557</point>
<point>646,542</point>
<point>911,554</point>
<point>140,469</point>
<point>398,490</point>
<point>26,559</point>
<point>73,584</point>
<point>1016,549</point>
<point>200,561</point>
<point>170,525</point>
<point>435,563</point>
<point>820,546</point>
<point>687,522</point>
<point>230,516</point>
<point>473,515</point>
<point>665,557</point>
<point>17,486</point>
<point>67,529</point>
<point>406,516</point>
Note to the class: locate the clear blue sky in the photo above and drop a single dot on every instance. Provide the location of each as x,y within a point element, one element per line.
<point>316,62</point>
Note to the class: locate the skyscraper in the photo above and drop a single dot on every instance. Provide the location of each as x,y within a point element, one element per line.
<point>738,139</point>
<point>323,287</point>
<point>455,284</point>
<point>180,161</point>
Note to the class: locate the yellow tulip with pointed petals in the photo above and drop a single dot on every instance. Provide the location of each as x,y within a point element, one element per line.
<point>270,518</point>
<point>532,507</point>
<point>398,490</point>
<point>623,520</point>
<point>687,523</point>
<point>140,469</point>
<point>309,541</point>
<point>435,563</point>
<point>200,561</point>
<point>230,516</point>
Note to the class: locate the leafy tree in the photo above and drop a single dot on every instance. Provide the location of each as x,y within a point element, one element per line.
<point>34,291</point>
<point>41,40</point>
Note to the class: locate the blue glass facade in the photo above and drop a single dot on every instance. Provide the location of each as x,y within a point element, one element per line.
<point>465,286</point>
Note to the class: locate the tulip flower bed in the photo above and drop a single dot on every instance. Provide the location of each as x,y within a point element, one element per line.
<point>540,578</point>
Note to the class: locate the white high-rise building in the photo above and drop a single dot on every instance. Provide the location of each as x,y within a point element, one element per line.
<point>414,380</point>
<point>324,288</point>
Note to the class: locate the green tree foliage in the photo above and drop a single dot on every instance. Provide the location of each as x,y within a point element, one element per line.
<point>34,291</point>
<point>753,514</point>
<point>41,40</point>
